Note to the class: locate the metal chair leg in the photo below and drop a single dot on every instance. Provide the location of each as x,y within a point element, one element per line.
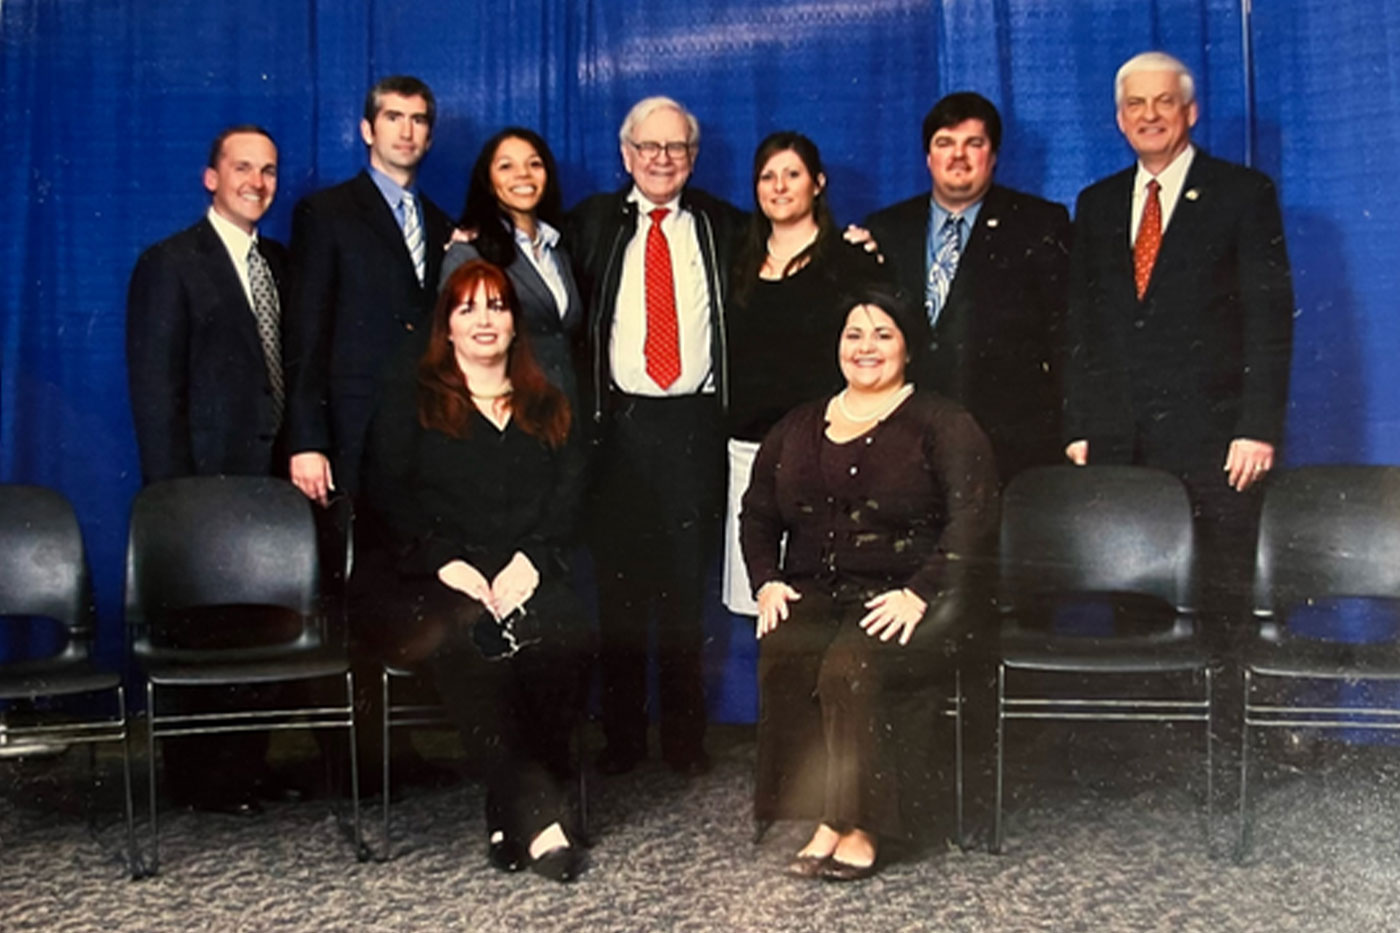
<point>151,776</point>
<point>362,852</point>
<point>1001,756</point>
<point>384,764</point>
<point>958,755</point>
<point>1242,848</point>
<point>133,857</point>
<point>1210,763</point>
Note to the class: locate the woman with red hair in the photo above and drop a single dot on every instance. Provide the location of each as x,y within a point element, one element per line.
<point>473,480</point>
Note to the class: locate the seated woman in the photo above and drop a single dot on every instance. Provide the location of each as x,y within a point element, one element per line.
<point>514,209</point>
<point>888,500</point>
<point>789,276</point>
<point>474,479</point>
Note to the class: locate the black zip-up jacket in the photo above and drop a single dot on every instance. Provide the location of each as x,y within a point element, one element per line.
<point>597,232</point>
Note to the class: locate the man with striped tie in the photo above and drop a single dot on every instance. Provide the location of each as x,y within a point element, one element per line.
<point>365,261</point>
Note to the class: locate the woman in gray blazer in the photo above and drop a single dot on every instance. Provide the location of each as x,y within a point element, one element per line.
<point>514,207</point>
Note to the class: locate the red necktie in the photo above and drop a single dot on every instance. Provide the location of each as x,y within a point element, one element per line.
<point>1149,239</point>
<point>663,344</point>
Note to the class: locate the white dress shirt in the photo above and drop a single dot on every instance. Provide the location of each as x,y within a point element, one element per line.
<point>625,349</point>
<point>1172,179</point>
<point>237,243</point>
<point>540,252</point>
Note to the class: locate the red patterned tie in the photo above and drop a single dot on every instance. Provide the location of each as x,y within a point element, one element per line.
<point>663,344</point>
<point>1149,239</point>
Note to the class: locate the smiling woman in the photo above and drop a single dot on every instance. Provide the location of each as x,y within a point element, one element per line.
<point>473,478</point>
<point>865,523</point>
<point>513,209</point>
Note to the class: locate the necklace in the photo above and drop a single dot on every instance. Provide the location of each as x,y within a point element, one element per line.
<point>484,397</point>
<point>899,396</point>
<point>784,260</point>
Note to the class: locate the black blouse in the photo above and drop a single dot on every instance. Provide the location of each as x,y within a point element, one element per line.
<point>480,498</point>
<point>910,503</point>
<point>782,339</point>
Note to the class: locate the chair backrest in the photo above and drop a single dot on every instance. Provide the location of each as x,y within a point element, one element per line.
<point>1328,532</point>
<point>43,570</point>
<point>220,541</point>
<point>1069,530</point>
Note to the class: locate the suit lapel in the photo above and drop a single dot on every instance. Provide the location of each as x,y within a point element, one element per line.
<point>529,282</point>
<point>1183,231</point>
<point>379,217</point>
<point>233,307</point>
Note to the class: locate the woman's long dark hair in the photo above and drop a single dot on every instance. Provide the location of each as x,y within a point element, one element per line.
<point>754,248</point>
<point>484,214</point>
<point>444,401</point>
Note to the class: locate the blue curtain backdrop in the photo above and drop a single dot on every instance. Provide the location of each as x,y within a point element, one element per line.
<point>110,106</point>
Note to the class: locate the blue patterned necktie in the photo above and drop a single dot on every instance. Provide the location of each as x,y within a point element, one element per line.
<point>943,267</point>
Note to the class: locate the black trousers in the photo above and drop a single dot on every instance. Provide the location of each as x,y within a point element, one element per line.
<point>655,523</point>
<point>847,722</point>
<point>515,714</point>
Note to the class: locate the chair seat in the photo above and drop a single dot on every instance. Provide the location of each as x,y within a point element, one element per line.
<point>254,669</point>
<point>1305,657</point>
<point>1163,653</point>
<point>29,680</point>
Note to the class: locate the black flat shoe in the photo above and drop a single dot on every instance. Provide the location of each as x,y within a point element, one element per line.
<point>560,864</point>
<point>807,866</point>
<point>836,870</point>
<point>507,854</point>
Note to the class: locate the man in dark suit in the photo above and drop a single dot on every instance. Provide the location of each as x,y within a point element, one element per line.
<point>366,255</point>
<point>365,260</point>
<point>1181,320</point>
<point>989,265</point>
<point>205,376</point>
<point>653,261</point>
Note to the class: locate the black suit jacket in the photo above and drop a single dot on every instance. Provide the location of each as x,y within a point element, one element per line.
<point>998,344</point>
<point>598,230</point>
<point>1170,380</point>
<point>552,336</point>
<point>354,296</point>
<point>200,395</point>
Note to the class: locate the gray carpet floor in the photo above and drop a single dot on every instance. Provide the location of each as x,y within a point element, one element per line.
<point>1099,838</point>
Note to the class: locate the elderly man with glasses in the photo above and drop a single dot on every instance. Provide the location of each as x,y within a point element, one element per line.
<point>653,259</point>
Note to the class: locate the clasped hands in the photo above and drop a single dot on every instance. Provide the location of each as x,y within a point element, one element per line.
<point>510,590</point>
<point>894,613</point>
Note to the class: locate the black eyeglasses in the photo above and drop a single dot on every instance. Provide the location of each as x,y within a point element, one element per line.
<point>651,150</point>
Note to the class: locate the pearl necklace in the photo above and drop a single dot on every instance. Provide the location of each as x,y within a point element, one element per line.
<point>783,261</point>
<point>899,396</point>
<point>492,397</point>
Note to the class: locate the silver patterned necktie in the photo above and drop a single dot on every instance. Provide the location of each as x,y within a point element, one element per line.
<point>944,266</point>
<point>268,316</point>
<point>413,235</point>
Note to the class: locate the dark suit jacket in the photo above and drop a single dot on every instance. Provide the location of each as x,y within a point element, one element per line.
<point>200,395</point>
<point>597,233</point>
<point>998,345</point>
<point>353,297</point>
<point>552,337</point>
<point>1170,380</point>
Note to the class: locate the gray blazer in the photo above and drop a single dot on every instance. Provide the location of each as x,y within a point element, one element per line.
<point>552,336</point>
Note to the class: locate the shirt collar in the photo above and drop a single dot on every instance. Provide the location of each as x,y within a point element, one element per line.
<point>939,214</point>
<point>1173,176</point>
<point>645,205</point>
<point>544,234</point>
<point>392,191</point>
<point>234,239</point>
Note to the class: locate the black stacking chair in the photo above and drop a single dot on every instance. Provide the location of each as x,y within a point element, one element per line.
<point>200,543</point>
<point>1120,536</point>
<point>1326,533</point>
<point>44,575</point>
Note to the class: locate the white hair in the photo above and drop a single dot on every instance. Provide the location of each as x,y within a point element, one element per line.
<point>649,105</point>
<point>1155,61</point>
